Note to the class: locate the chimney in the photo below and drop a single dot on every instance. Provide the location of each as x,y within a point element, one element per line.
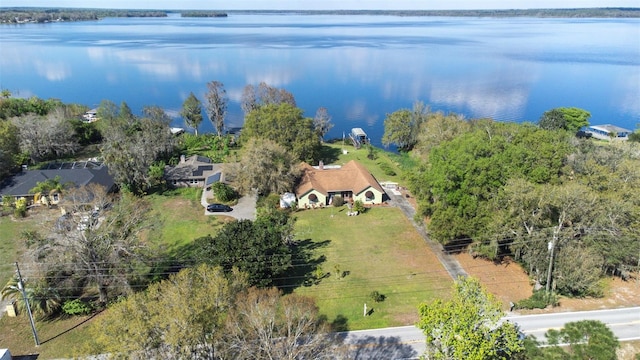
<point>321,165</point>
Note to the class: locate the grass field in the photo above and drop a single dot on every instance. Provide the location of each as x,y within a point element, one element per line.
<point>11,244</point>
<point>179,219</point>
<point>378,251</point>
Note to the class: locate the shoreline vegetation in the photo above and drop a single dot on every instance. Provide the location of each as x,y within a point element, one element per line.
<point>19,15</point>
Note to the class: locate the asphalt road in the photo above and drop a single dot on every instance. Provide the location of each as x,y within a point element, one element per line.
<point>407,342</point>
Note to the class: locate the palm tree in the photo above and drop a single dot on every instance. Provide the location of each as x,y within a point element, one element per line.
<point>44,301</point>
<point>48,188</point>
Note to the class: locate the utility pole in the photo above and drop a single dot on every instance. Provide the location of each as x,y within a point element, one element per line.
<point>552,247</point>
<point>26,302</point>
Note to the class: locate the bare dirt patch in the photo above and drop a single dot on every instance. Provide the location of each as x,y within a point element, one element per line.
<point>508,282</point>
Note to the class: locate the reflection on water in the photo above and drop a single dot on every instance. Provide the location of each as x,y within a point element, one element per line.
<point>359,67</point>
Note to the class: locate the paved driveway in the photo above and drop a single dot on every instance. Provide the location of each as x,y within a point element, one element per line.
<point>244,209</point>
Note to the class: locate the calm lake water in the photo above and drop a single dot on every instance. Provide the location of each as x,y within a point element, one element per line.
<point>359,67</point>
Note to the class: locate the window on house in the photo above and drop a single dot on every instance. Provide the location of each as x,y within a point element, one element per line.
<point>370,196</point>
<point>313,199</point>
<point>55,197</point>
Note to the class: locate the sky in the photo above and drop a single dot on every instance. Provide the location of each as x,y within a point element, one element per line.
<point>322,4</point>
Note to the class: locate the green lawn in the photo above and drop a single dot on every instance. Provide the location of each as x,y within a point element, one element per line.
<point>333,154</point>
<point>379,251</point>
<point>179,219</point>
<point>11,244</point>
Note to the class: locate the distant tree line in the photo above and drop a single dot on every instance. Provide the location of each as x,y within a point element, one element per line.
<point>43,15</point>
<point>612,12</point>
<point>203,13</point>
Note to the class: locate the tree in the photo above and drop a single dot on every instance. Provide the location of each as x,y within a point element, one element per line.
<point>266,325</point>
<point>322,122</point>
<point>253,98</point>
<point>9,148</point>
<point>105,254</point>
<point>181,317</point>
<point>403,126</point>
<point>266,167</point>
<point>571,119</point>
<point>439,128</point>
<point>192,112</point>
<point>575,118</point>
<point>216,105</point>
<point>586,339</point>
<point>131,145</point>
<point>43,299</point>
<point>552,120</point>
<point>285,125</point>
<point>468,326</point>
<point>251,247</point>
<point>43,137</point>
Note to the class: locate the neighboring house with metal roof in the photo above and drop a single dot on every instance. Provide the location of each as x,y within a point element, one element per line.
<point>79,173</point>
<point>319,185</point>
<point>608,132</point>
<point>193,171</point>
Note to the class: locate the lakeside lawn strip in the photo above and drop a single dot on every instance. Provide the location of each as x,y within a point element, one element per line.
<point>376,251</point>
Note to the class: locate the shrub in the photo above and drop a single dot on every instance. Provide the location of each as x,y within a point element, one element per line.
<point>21,207</point>
<point>76,307</point>
<point>358,206</point>
<point>338,201</point>
<point>539,300</point>
<point>387,169</point>
<point>223,192</point>
<point>376,296</point>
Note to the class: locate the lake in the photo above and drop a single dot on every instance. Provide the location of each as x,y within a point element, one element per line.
<point>359,67</point>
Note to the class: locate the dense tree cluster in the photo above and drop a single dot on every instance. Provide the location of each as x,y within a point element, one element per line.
<point>260,249</point>
<point>285,125</point>
<point>203,313</point>
<point>519,189</point>
<point>132,144</point>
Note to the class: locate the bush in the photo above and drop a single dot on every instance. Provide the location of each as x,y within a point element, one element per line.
<point>376,296</point>
<point>358,206</point>
<point>387,169</point>
<point>539,300</point>
<point>224,192</point>
<point>76,307</point>
<point>338,201</point>
<point>21,207</point>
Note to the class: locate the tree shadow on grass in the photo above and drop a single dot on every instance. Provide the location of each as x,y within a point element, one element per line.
<point>304,265</point>
<point>70,329</point>
<point>329,154</point>
<point>379,347</point>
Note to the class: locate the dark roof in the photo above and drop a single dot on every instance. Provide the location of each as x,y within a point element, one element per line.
<point>20,184</point>
<point>213,178</point>
<point>194,166</point>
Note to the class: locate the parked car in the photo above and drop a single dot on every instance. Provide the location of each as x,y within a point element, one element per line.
<point>218,208</point>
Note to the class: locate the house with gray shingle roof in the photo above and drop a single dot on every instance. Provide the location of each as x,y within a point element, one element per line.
<point>319,185</point>
<point>79,173</point>
<point>193,171</point>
